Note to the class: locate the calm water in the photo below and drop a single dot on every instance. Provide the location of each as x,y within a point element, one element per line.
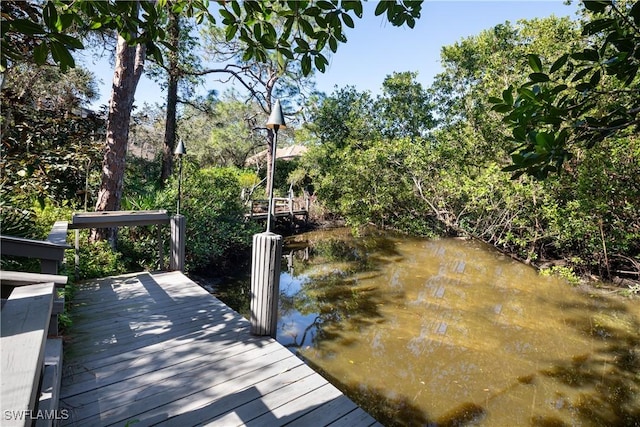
<point>450,333</point>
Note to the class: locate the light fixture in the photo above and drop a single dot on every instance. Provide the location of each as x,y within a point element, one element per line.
<point>180,151</point>
<point>276,118</point>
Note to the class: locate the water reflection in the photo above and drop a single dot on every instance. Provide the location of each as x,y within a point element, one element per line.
<point>449,332</point>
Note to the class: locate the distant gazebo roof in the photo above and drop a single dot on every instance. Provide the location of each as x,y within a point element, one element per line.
<point>285,153</point>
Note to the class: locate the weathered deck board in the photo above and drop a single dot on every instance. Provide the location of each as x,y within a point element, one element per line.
<point>153,349</point>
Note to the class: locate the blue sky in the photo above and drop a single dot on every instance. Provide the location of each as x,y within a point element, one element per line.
<point>376,49</point>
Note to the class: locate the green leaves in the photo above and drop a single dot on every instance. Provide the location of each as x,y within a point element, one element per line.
<point>596,5</point>
<point>543,153</point>
<point>535,63</point>
<point>587,95</point>
<point>539,77</point>
<point>49,26</point>
<point>50,17</point>
<point>26,27</point>
<point>507,95</point>
<point>321,63</point>
<point>305,63</point>
<point>504,104</point>
<point>559,63</point>
<point>501,108</point>
<point>61,55</point>
<point>46,37</point>
<point>309,27</point>
<point>320,24</point>
<point>400,12</point>
<point>40,53</point>
<point>597,26</point>
<point>635,13</point>
<point>347,20</point>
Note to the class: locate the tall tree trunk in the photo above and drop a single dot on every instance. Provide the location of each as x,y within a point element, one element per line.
<point>128,69</point>
<point>172,100</point>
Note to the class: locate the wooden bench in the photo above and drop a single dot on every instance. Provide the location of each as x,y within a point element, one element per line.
<point>30,363</point>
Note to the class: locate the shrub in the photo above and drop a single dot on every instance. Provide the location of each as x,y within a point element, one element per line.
<point>216,231</point>
<point>561,271</point>
<point>98,260</point>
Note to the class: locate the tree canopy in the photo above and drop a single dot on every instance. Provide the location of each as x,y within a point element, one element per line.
<point>448,178</point>
<point>553,101</point>
<point>51,30</point>
<point>54,27</point>
<point>579,97</point>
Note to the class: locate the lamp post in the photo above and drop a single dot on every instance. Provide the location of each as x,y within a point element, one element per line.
<point>275,122</point>
<point>178,222</point>
<point>267,254</point>
<point>180,151</point>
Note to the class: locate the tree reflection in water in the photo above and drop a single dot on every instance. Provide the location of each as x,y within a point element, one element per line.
<point>450,333</point>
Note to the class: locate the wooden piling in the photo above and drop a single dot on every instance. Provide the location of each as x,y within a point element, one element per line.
<point>178,236</point>
<point>265,283</point>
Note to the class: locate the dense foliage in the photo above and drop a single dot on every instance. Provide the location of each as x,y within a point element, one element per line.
<point>49,144</point>
<point>447,177</point>
<point>584,96</point>
<point>231,134</point>
<point>51,153</point>
<point>217,235</point>
<point>422,160</point>
<point>47,33</point>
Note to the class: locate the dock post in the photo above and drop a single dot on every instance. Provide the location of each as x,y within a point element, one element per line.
<point>161,263</point>
<point>76,256</point>
<point>178,235</point>
<point>265,283</point>
<point>307,205</point>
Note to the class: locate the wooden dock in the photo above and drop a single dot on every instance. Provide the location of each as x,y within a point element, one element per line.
<point>157,349</point>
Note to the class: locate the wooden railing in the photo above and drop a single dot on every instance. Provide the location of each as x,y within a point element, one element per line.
<point>282,207</point>
<point>50,252</point>
<point>113,219</point>
<point>31,357</point>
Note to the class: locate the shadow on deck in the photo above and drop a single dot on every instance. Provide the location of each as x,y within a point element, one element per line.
<point>149,349</point>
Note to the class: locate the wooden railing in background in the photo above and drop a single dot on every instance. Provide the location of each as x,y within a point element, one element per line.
<point>282,207</point>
